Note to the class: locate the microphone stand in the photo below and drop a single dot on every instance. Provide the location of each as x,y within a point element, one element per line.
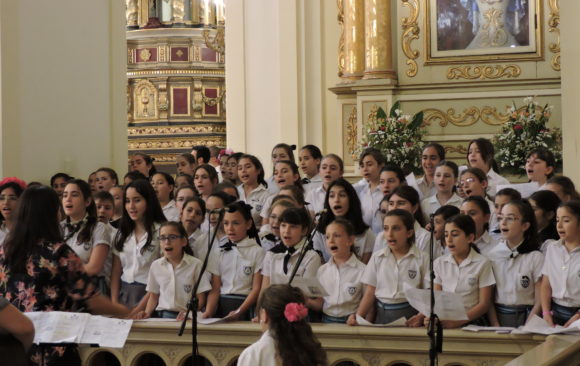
<point>435,330</point>
<point>193,302</point>
<point>306,247</point>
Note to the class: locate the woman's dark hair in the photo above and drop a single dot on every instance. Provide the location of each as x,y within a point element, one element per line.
<point>531,241</point>
<point>314,152</point>
<point>187,177</point>
<point>466,224</point>
<point>573,207</point>
<point>187,156</point>
<point>202,152</point>
<point>297,193</point>
<point>545,155</point>
<point>256,162</point>
<point>451,165</point>
<point>224,185</point>
<point>438,147</point>
<point>134,175</point>
<point>512,193</point>
<point>410,194</point>
<point>354,214</point>
<point>296,216</point>
<point>86,230</point>
<point>408,221</point>
<point>179,227</point>
<point>170,181</point>
<point>479,174</point>
<point>65,176</point>
<point>199,201</point>
<point>112,174</point>
<point>448,211</point>
<point>103,196</point>
<point>397,170</point>
<point>548,202</point>
<point>288,148</point>
<point>148,161</point>
<point>375,153</point>
<point>226,198</point>
<point>295,171</point>
<point>211,172</point>
<point>236,156</point>
<point>483,206</point>
<point>35,223</point>
<point>567,185</point>
<point>153,214</point>
<point>486,151</point>
<point>295,342</point>
<point>246,211</point>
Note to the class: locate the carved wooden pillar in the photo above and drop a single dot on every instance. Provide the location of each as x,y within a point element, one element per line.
<point>378,40</point>
<point>354,39</point>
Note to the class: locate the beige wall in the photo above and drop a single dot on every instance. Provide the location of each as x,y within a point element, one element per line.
<point>63,87</point>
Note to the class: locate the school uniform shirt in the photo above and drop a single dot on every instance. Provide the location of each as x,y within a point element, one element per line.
<point>267,239</point>
<point>135,264</point>
<point>256,199</point>
<point>3,233</point>
<point>362,244</point>
<point>343,285</point>
<point>238,266</point>
<point>370,201</point>
<point>310,184</point>
<point>426,190</point>
<point>273,265</point>
<point>315,199</point>
<point>389,275</point>
<point>265,212</point>
<point>430,204</point>
<point>563,270</point>
<point>466,278</point>
<point>171,211</point>
<point>174,285</point>
<point>485,243</point>
<point>263,352</point>
<point>101,235</point>
<point>494,180</point>
<point>515,274</point>
<point>198,242</point>
<point>273,188</point>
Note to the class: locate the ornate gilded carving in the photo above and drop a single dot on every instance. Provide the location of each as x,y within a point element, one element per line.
<point>469,116</point>
<point>175,143</point>
<point>371,118</point>
<point>216,73</point>
<point>197,101</point>
<point>459,149</point>
<point>129,104</point>
<point>484,72</point>
<point>213,101</point>
<point>493,32</point>
<point>178,7</point>
<point>554,27</point>
<point>218,42</point>
<point>131,12</point>
<point>145,99</point>
<point>352,131</point>
<point>340,17</point>
<point>163,102</point>
<point>410,33</point>
<point>145,55</point>
<point>177,130</point>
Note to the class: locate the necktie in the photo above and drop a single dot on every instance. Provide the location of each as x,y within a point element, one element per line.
<point>289,253</point>
<point>228,246</point>
<point>278,248</point>
<point>72,228</point>
<point>270,237</point>
<point>305,180</point>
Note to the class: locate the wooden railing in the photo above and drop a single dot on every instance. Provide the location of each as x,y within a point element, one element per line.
<point>157,343</point>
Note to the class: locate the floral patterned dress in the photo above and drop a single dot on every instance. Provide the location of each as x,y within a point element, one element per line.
<point>54,280</point>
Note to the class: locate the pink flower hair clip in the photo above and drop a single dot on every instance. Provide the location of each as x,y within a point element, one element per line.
<point>20,182</point>
<point>295,312</point>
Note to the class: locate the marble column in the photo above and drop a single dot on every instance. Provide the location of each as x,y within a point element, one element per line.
<point>354,39</point>
<point>378,40</point>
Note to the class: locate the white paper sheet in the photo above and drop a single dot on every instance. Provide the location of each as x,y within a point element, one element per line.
<point>207,321</point>
<point>540,326</point>
<point>525,189</point>
<point>401,322</point>
<point>107,332</point>
<point>448,305</point>
<point>310,286</point>
<point>477,328</point>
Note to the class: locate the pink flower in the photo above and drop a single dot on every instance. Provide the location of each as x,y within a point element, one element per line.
<point>382,128</point>
<point>518,127</point>
<point>20,182</point>
<point>295,312</point>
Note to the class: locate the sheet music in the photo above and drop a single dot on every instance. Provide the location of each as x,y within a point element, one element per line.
<point>448,305</point>
<point>401,322</point>
<point>540,326</point>
<point>106,332</point>
<point>478,328</point>
<point>525,189</point>
<point>207,321</point>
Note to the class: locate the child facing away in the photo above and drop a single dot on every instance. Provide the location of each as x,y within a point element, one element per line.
<point>288,338</point>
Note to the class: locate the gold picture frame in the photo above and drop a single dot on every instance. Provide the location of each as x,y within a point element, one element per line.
<point>475,36</point>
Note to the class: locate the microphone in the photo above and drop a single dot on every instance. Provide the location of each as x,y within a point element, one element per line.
<point>321,212</point>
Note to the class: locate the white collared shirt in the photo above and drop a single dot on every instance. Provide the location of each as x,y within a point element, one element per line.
<point>563,270</point>
<point>430,204</point>
<point>464,279</point>
<point>314,183</point>
<point>494,180</point>
<point>273,265</point>
<point>261,353</point>
<point>101,235</point>
<point>134,263</point>
<point>174,285</point>
<point>3,233</point>
<point>362,244</point>
<point>256,199</point>
<point>389,275</point>
<point>343,285</point>
<point>198,242</point>
<point>426,190</point>
<point>265,242</point>
<point>238,266</point>
<point>315,199</point>
<point>515,274</point>
<point>265,212</point>
<point>369,201</point>
<point>485,243</point>
<point>273,188</point>
<point>171,211</point>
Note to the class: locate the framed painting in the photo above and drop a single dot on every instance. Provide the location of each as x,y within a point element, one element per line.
<point>460,31</point>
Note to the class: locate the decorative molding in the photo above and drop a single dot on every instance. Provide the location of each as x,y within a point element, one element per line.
<point>176,143</point>
<point>483,72</point>
<point>554,27</point>
<point>410,33</point>
<point>340,5</point>
<point>178,130</point>
<point>372,115</point>
<point>207,72</point>
<point>352,131</point>
<point>489,115</point>
<point>213,101</point>
<point>218,42</point>
<point>219,353</point>
<point>171,352</point>
<point>459,149</point>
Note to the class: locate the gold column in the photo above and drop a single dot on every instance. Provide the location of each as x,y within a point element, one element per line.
<point>178,7</point>
<point>378,40</point>
<point>354,39</point>
<point>131,13</point>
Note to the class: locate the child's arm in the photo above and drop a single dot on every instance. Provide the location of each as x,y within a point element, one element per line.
<point>546,299</point>
<point>153,300</point>
<point>213,296</point>
<point>315,303</point>
<point>201,301</point>
<point>365,305</point>
<point>475,312</point>
<point>250,299</point>
<point>265,283</point>
<point>97,259</point>
<point>116,279</point>
<point>536,310</point>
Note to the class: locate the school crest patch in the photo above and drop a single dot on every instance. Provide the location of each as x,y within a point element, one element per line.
<point>247,270</point>
<point>525,281</point>
<point>471,281</point>
<point>351,290</point>
<point>150,248</point>
<point>412,274</point>
<point>187,288</point>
